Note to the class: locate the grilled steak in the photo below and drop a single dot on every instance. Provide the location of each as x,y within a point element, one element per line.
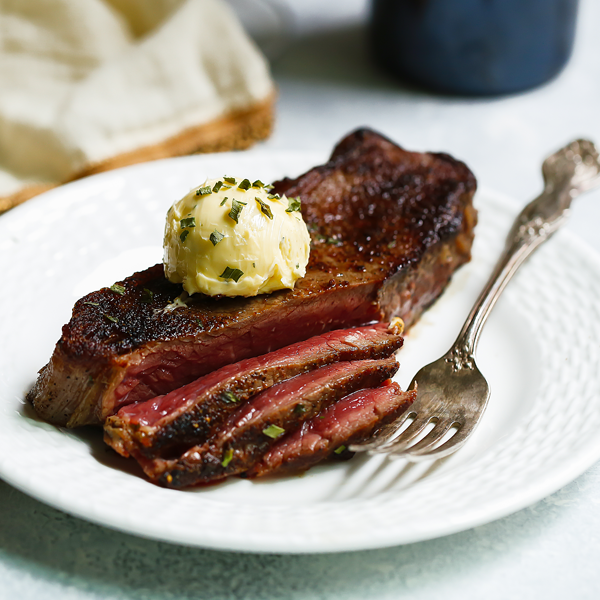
<point>353,419</point>
<point>388,226</point>
<point>255,427</point>
<point>188,415</point>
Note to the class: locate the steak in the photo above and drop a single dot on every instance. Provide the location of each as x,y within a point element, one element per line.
<point>255,427</point>
<point>352,420</point>
<point>388,229</point>
<point>189,415</point>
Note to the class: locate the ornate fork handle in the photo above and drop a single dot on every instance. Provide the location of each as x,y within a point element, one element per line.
<point>569,172</point>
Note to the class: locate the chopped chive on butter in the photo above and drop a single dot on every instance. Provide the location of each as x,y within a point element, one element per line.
<point>111,318</point>
<point>230,397</point>
<point>92,303</point>
<point>184,234</point>
<point>339,450</point>
<point>223,201</point>
<point>236,209</point>
<point>189,222</point>
<point>147,296</point>
<point>230,180</point>
<point>244,184</point>
<point>217,186</point>
<point>216,237</point>
<point>297,265</point>
<point>273,196</point>
<point>273,431</point>
<point>294,204</point>
<point>227,457</point>
<point>258,184</point>
<point>264,208</point>
<point>254,265</point>
<point>118,288</point>
<point>203,191</point>
<point>230,273</point>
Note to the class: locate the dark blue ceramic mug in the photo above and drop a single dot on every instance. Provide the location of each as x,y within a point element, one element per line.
<point>474,46</point>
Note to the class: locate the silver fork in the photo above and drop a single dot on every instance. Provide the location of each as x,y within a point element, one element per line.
<point>451,392</point>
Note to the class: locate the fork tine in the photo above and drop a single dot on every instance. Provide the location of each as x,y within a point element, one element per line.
<point>384,436</point>
<point>447,448</point>
<point>421,447</point>
<point>409,434</point>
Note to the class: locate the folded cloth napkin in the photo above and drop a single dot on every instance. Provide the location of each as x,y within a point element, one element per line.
<point>90,85</point>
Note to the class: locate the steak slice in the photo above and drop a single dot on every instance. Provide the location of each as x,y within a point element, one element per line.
<point>388,227</point>
<point>253,429</point>
<point>187,416</point>
<point>352,420</point>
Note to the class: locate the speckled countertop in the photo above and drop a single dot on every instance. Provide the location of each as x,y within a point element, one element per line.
<point>550,550</point>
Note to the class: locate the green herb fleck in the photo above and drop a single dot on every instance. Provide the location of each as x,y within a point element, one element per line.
<point>223,201</point>
<point>230,273</point>
<point>184,234</point>
<point>230,397</point>
<point>203,191</point>
<point>227,457</point>
<point>118,288</point>
<point>147,296</point>
<point>273,431</point>
<point>217,186</point>
<point>200,323</point>
<point>258,184</point>
<point>244,184</point>
<point>273,196</point>
<point>92,303</point>
<point>339,450</point>
<point>323,238</point>
<point>254,265</point>
<point>392,244</point>
<point>264,208</point>
<point>216,237</point>
<point>236,209</point>
<point>299,409</point>
<point>297,265</point>
<point>294,204</point>
<point>90,380</point>
<point>111,318</point>
<point>230,180</point>
<point>189,222</point>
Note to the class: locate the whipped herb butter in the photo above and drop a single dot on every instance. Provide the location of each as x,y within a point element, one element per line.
<point>233,237</point>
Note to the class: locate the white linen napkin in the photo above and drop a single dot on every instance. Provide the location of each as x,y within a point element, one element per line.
<point>88,85</point>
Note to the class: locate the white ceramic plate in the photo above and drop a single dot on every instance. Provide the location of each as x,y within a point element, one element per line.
<point>539,351</point>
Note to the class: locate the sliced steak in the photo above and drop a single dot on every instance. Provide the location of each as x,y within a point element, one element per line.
<point>353,419</point>
<point>388,227</point>
<point>253,429</point>
<point>188,416</point>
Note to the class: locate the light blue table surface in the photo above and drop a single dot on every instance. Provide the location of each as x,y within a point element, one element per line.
<point>550,550</point>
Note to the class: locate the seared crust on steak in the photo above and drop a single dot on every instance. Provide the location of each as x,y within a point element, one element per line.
<point>389,227</point>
